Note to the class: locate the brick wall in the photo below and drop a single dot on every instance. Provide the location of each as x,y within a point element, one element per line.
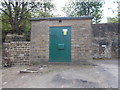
<point>17,52</point>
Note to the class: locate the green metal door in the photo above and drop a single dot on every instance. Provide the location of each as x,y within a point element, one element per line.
<point>60,44</point>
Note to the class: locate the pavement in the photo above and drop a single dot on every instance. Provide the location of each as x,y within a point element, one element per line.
<point>104,74</point>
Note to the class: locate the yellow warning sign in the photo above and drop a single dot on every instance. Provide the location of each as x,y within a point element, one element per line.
<point>65,31</point>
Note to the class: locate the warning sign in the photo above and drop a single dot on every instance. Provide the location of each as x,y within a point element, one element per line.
<point>65,31</point>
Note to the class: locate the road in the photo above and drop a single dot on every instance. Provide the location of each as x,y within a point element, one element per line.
<point>104,74</point>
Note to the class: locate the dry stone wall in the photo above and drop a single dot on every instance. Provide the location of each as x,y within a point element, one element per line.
<point>17,52</point>
<point>105,40</point>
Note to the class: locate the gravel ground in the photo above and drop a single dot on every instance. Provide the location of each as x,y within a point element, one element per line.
<point>102,75</point>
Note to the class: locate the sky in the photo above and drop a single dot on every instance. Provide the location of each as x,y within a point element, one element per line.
<point>106,7</point>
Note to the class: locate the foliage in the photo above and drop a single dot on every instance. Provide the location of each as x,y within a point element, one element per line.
<point>5,20</point>
<point>16,14</point>
<point>39,14</point>
<point>86,8</point>
<point>114,20</point>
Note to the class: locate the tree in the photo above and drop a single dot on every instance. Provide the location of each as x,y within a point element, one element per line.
<point>19,11</point>
<point>86,8</point>
<point>44,10</point>
<point>112,20</point>
<point>117,18</point>
<point>39,14</point>
<point>16,15</point>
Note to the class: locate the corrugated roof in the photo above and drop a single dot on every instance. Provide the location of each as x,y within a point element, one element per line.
<point>62,18</point>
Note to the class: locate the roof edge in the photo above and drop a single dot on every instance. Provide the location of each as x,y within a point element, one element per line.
<point>62,18</point>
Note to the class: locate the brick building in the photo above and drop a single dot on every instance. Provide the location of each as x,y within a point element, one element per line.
<point>61,39</point>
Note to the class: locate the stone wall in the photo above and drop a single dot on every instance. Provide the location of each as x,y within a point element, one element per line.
<point>80,39</point>
<point>105,40</point>
<point>17,52</point>
<point>14,37</point>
